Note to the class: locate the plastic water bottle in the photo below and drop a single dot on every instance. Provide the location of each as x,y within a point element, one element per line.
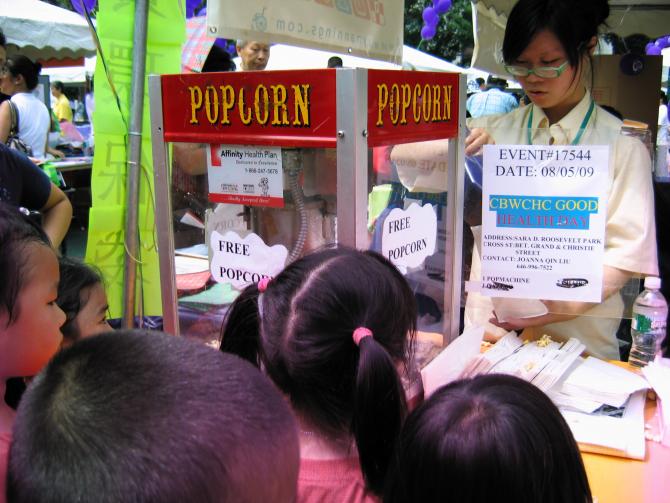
<point>648,326</point>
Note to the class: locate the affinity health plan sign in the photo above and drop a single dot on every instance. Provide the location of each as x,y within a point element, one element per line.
<point>543,221</point>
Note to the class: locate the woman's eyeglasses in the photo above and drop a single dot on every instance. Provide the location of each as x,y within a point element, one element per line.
<point>545,72</point>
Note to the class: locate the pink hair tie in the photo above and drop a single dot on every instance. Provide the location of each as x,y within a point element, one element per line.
<point>263,284</point>
<point>360,333</point>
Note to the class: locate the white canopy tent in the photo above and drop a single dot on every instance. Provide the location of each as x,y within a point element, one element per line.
<point>649,17</point>
<point>42,31</point>
<point>288,57</point>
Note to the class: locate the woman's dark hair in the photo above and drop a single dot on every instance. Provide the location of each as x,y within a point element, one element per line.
<point>58,85</point>
<point>574,22</point>
<point>20,65</point>
<point>494,426</point>
<point>74,290</point>
<point>3,39</point>
<point>17,232</point>
<point>308,315</point>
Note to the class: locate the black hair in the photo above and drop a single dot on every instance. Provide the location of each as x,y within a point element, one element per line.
<point>21,65</point>
<point>480,81</point>
<point>57,84</point>
<point>17,232</point>
<point>74,290</point>
<point>335,62</point>
<point>218,60</point>
<point>309,313</point>
<point>610,109</point>
<point>498,426</point>
<point>3,39</point>
<point>573,22</point>
<point>145,416</point>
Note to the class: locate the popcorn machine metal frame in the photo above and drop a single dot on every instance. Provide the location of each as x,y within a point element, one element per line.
<point>349,110</point>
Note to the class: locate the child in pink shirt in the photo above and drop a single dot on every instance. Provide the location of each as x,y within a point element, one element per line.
<point>331,330</point>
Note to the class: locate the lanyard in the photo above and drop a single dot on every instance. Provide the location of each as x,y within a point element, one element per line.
<point>581,128</point>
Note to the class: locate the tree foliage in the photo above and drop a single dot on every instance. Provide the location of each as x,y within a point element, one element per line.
<point>453,40</point>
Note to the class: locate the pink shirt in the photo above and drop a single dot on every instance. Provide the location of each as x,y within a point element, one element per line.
<point>336,480</point>
<point>5,441</point>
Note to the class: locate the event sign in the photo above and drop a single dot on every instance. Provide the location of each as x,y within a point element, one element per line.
<point>543,221</point>
<point>368,28</point>
<point>408,236</point>
<point>240,261</point>
<point>245,175</point>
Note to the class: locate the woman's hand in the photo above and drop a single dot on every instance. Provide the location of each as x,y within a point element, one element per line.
<point>55,152</point>
<point>560,310</point>
<point>477,138</point>
<point>557,311</point>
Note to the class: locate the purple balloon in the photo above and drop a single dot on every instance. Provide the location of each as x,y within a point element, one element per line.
<point>654,50</point>
<point>430,17</point>
<point>662,42</point>
<point>80,5</point>
<point>428,32</point>
<point>443,6</point>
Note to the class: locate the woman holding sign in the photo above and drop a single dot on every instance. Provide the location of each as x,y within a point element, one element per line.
<point>548,46</point>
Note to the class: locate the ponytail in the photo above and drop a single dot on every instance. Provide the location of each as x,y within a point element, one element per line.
<point>240,332</point>
<point>379,411</point>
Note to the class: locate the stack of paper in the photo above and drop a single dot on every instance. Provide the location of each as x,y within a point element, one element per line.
<point>597,382</point>
<point>658,376</point>
<point>602,403</point>
<point>542,364</point>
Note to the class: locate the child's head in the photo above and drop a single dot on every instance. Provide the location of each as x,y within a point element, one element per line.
<point>30,320</point>
<point>81,295</point>
<point>309,313</point>
<point>144,416</point>
<point>494,426</point>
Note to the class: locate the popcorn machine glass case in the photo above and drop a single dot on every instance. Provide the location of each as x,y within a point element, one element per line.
<point>255,169</point>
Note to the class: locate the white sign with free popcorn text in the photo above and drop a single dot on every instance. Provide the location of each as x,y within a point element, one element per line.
<point>242,261</point>
<point>408,237</point>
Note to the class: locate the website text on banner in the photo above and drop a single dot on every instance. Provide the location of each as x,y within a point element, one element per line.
<point>368,28</point>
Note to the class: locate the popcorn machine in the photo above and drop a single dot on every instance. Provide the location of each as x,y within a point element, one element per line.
<point>254,169</point>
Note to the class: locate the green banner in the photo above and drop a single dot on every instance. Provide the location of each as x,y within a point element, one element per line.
<point>106,233</point>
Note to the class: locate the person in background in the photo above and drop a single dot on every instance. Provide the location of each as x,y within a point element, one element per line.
<point>30,320</point>
<point>494,426</point>
<point>218,60</point>
<point>3,60</point>
<point>148,417</point>
<point>492,101</point>
<point>62,108</point>
<point>663,134</point>
<point>481,84</point>
<point>335,62</point>
<point>18,79</point>
<point>23,184</point>
<point>332,330</point>
<point>253,55</point>
<point>82,297</point>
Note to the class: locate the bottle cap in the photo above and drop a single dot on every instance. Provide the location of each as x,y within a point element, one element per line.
<point>652,282</point>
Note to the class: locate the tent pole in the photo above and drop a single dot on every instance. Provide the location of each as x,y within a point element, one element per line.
<point>134,160</point>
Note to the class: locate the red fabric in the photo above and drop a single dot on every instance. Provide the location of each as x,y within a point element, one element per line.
<point>5,441</point>
<point>332,480</point>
